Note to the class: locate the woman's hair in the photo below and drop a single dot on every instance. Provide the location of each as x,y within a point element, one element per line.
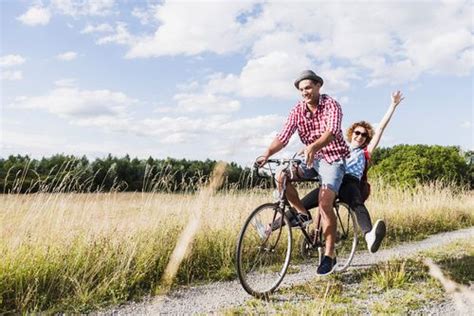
<point>368,128</point>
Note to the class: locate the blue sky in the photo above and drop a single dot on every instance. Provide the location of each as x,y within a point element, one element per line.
<point>201,79</point>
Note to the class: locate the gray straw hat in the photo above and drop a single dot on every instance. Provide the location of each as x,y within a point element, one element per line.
<point>308,74</point>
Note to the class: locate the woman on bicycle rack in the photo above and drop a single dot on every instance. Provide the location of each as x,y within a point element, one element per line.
<point>355,189</point>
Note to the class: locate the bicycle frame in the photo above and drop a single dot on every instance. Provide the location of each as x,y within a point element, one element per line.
<point>284,204</point>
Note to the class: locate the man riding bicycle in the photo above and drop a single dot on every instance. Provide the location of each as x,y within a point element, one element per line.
<point>318,120</point>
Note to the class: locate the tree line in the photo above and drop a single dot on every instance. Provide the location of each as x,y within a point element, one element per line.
<point>400,165</point>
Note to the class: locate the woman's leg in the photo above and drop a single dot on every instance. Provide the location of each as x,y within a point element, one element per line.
<point>310,200</point>
<point>350,194</point>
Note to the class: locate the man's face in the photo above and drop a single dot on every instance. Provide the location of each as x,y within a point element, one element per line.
<point>309,90</point>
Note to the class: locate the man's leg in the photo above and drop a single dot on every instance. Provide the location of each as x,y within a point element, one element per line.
<point>331,175</point>
<point>291,193</point>
<point>326,202</point>
<point>294,199</point>
<point>303,217</point>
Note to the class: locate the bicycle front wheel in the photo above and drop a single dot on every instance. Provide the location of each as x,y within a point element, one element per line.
<point>346,236</point>
<point>263,250</point>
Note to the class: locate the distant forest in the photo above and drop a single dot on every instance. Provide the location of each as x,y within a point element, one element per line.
<point>401,165</point>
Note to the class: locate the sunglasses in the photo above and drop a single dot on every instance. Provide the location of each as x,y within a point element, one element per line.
<point>361,134</point>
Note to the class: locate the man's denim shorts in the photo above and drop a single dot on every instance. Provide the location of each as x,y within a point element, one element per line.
<point>330,174</point>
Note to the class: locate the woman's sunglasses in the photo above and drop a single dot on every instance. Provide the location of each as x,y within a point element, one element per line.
<point>361,134</point>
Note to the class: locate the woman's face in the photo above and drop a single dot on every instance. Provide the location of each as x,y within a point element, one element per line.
<point>359,136</point>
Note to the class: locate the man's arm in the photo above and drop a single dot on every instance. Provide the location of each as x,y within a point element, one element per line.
<point>397,97</point>
<point>322,141</point>
<point>274,147</point>
<point>282,138</point>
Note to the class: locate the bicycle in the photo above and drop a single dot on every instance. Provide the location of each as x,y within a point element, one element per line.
<point>263,252</point>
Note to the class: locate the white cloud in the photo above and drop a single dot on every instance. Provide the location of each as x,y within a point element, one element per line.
<point>99,149</point>
<point>11,60</point>
<point>246,137</point>
<point>192,28</point>
<point>250,128</point>
<point>23,142</point>
<point>222,83</point>
<point>268,76</point>
<point>272,75</point>
<point>70,102</point>
<point>441,54</point>
<point>12,75</point>
<point>391,45</point>
<point>394,73</point>
<point>205,103</point>
<point>76,8</point>
<point>221,131</point>
<point>39,15</point>
<point>168,130</point>
<point>67,82</point>
<point>35,16</point>
<point>116,122</point>
<point>100,28</point>
<point>67,56</point>
<point>145,15</point>
<point>343,100</point>
<point>466,124</point>
<point>121,36</point>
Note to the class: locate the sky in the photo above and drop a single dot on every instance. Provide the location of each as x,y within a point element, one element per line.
<point>214,79</point>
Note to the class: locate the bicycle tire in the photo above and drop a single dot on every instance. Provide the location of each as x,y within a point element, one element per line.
<point>262,261</point>
<point>346,236</point>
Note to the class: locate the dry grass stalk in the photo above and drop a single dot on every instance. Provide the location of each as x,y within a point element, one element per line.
<point>463,297</point>
<point>187,236</point>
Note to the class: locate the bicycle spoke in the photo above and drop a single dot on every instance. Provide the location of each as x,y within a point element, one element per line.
<point>262,259</point>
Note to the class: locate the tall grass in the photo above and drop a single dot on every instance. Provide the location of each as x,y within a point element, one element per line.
<point>76,252</point>
<point>414,213</point>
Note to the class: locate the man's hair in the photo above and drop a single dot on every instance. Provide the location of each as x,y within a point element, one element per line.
<point>369,129</point>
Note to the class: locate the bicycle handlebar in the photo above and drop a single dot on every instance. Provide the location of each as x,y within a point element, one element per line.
<point>277,162</point>
<point>287,162</point>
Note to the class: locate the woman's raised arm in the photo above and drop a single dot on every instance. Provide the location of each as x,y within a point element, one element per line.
<point>397,97</point>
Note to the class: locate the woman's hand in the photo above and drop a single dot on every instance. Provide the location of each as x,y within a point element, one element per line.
<point>397,97</point>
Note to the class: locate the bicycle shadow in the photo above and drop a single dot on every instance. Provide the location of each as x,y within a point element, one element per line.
<point>317,287</point>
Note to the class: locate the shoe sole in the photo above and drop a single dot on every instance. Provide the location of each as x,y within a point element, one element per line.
<point>380,232</point>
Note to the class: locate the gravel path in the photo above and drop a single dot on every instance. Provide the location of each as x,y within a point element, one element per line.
<point>213,297</point>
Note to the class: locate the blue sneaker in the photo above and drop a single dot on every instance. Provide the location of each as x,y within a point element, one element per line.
<point>327,266</point>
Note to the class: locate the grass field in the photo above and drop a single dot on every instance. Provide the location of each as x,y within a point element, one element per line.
<point>78,252</point>
<point>395,287</point>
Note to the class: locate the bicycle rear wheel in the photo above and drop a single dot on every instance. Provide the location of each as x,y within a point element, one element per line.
<point>346,236</point>
<point>263,254</point>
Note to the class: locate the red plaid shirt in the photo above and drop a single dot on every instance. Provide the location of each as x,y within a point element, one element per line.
<point>328,116</point>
